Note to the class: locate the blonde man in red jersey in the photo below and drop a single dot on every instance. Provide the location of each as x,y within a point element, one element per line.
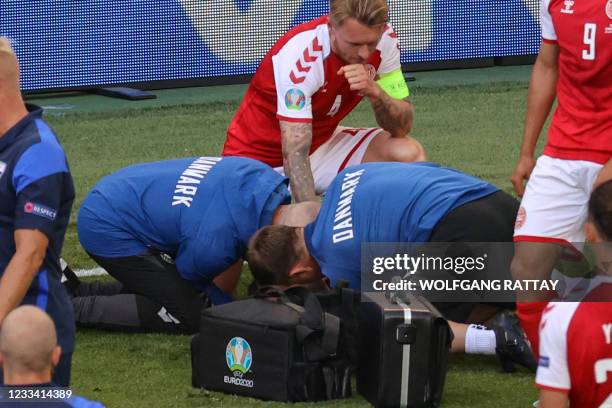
<point>313,77</point>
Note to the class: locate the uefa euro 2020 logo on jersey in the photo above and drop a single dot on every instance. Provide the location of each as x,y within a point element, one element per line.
<point>239,358</point>
<point>295,99</point>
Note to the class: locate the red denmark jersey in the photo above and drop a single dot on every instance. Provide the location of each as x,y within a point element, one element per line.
<point>581,127</point>
<point>576,350</point>
<point>297,81</point>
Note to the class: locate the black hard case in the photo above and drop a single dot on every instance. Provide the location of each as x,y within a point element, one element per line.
<point>404,351</point>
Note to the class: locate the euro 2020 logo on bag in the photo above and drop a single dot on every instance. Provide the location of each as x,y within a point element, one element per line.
<point>239,358</point>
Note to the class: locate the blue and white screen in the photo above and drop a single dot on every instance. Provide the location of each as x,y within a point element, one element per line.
<point>68,44</point>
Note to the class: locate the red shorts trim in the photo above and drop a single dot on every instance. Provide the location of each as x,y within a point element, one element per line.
<point>294,120</point>
<point>531,238</point>
<point>547,41</point>
<point>547,388</point>
<point>572,252</point>
<point>354,149</point>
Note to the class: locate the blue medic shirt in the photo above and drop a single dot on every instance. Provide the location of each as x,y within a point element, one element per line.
<point>200,210</point>
<point>36,192</point>
<point>384,202</point>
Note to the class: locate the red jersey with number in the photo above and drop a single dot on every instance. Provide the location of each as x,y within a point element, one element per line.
<point>298,81</point>
<point>581,128</point>
<point>576,349</point>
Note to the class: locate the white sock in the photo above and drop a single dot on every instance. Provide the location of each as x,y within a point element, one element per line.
<point>479,340</point>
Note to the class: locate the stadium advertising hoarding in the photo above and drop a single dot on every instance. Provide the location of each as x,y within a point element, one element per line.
<point>66,44</point>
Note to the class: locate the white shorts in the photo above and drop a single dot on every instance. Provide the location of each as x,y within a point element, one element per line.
<point>344,149</point>
<point>554,206</point>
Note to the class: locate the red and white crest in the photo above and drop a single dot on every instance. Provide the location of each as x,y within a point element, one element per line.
<point>609,9</point>
<point>371,70</point>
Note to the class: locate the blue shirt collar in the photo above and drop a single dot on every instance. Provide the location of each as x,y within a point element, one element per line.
<point>34,112</point>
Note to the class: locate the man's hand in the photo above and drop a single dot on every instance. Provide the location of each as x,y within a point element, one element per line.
<point>393,115</point>
<point>522,171</point>
<point>360,80</point>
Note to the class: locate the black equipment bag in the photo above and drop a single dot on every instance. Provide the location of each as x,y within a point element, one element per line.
<point>404,350</point>
<point>283,345</point>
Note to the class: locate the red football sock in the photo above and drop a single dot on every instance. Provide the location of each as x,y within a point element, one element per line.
<point>529,314</point>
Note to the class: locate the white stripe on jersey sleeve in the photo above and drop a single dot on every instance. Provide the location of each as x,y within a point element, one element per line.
<point>299,70</point>
<point>548,29</point>
<point>389,52</point>
<point>553,369</point>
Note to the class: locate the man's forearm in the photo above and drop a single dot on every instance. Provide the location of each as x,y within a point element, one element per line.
<point>296,140</point>
<point>393,115</point>
<point>540,98</point>
<point>16,280</point>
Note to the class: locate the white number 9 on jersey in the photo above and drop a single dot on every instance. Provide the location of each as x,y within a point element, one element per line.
<point>590,30</point>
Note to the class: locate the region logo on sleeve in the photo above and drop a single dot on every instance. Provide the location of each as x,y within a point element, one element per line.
<point>295,99</point>
<point>239,358</point>
<point>609,9</point>
<point>544,362</point>
<point>371,71</point>
<point>40,210</point>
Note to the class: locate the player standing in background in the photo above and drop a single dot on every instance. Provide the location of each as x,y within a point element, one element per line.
<point>576,338</point>
<point>575,64</point>
<point>313,77</point>
<point>36,195</point>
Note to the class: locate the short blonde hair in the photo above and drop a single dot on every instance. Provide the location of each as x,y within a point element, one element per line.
<point>367,12</point>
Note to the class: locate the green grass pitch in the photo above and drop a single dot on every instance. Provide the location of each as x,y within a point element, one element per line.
<point>473,127</point>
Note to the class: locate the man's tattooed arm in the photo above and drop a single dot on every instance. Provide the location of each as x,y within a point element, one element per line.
<point>393,115</point>
<point>296,140</point>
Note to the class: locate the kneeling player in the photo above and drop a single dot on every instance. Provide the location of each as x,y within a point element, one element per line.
<point>396,202</point>
<point>165,231</point>
<point>576,337</point>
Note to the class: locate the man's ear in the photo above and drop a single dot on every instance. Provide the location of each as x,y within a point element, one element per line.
<point>298,270</point>
<point>303,272</point>
<point>56,355</point>
<point>591,232</point>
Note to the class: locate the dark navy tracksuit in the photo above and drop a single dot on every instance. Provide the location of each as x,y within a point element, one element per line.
<point>36,193</point>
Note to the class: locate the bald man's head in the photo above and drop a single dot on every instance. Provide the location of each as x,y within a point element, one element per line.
<point>28,341</point>
<point>9,69</point>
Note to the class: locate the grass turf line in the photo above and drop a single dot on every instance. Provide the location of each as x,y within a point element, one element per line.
<point>473,128</point>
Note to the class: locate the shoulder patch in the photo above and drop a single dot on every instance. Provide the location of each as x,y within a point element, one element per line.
<point>295,99</point>
<point>40,210</point>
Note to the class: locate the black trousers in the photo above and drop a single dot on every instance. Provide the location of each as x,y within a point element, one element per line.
<point>148,296</point>
<point>489,219</point>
